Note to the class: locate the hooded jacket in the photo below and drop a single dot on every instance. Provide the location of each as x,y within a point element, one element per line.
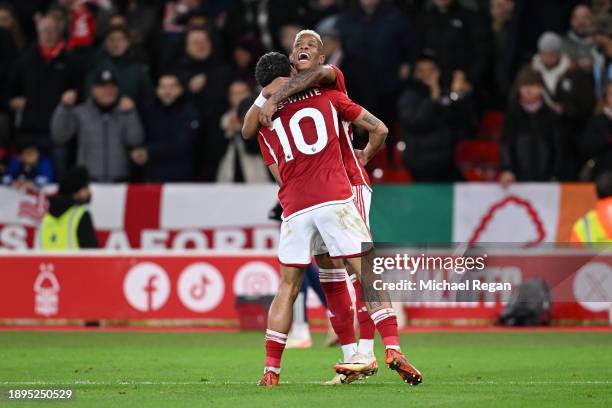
<point>104,139</point>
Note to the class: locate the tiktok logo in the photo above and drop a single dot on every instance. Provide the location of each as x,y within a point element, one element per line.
<point>200,287</point>
<point>146,287</point>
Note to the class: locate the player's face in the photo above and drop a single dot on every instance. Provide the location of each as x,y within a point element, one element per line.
<point>306,53</point>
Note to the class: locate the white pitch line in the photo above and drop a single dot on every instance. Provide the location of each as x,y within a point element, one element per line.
<point>115,383</point>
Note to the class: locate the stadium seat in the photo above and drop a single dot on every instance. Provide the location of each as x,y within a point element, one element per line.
<point>490,127</point>
<point>478,160</point>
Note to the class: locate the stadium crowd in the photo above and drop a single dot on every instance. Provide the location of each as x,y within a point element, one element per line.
<point>154,91</point>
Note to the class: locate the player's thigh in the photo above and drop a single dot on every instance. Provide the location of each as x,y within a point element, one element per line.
<point>363,200</point>
<point>342,229</point>
<point>296,240</point>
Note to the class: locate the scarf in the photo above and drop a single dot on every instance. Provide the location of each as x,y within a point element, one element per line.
<point>49,53</point>
<point>551,76</point>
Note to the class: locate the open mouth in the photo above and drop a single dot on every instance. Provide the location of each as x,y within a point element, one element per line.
<point>303,57</point>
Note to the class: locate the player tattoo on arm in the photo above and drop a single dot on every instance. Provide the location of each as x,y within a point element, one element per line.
<point>298,83</point>
<point>371,120</point>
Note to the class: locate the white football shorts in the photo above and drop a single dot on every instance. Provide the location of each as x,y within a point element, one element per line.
<point>339,227</point>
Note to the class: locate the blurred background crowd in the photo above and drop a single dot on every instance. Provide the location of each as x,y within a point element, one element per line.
<point>155,91</point>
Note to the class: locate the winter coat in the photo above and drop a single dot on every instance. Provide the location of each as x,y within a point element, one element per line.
<point>42,84</point>
<point>104,139</point>
<point>531,145</point>
<point>431,129</point>
<point>171,135</point>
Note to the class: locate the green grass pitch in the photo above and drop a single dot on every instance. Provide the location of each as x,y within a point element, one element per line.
<point>201,369</point>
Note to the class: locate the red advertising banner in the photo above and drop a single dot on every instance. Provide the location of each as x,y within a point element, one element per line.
<point>196,285</point>
<point>131,286</point>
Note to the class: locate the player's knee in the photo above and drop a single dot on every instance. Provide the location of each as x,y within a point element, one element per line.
<point>324,261</point>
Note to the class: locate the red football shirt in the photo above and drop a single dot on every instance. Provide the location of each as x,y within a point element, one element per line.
<point>354,168</point>
<point>304,143</point>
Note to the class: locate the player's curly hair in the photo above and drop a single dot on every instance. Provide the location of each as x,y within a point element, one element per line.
<point>271,66</point>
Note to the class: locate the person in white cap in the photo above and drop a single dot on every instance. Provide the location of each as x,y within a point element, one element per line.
<point>569,91</point>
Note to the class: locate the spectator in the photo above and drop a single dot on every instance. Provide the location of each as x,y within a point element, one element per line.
<point>141,19</point>
<point>106,126</point>
<point>595,142</point>
<point>531,137</point>
<point>245,55</point>
<point>132,75</point>
<point>332,43</point>
<point>68,224</point>
<point>578,44</point>
<point>242,161</point>
<point>501,17</point>
<point>570,93</point>
<point>10,22</point>
<point>377,38</point>
<point>602,38</point>
<point>172,129</point>
<point>458,38</point>
<point>45,65</point>
<point>208,79</point>
<point>28,169</point>
<point>174,10</point>
<point>286,35</point>
<point>432,120</point>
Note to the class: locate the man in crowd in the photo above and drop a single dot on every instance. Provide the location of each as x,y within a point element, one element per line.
<point>531,146</point>
<point>106,126</point>
<point>578,43</point>
<point>568,91</point>
<point>39,78</point>
<point>433,119</point>
<point>380,41</point>
<point>172,128</point>
<point>459,39</point>
<point>118,56</point>
<point>207,78</point>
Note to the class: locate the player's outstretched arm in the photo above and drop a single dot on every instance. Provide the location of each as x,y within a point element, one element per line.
<point>320,74</point>
<point>377,135</point>
<point>251,124</point>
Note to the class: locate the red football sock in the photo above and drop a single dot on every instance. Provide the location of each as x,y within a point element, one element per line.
<point>339,304</point>
<point>275,344</point>
<point>386,324</point>
<point>367,329</point>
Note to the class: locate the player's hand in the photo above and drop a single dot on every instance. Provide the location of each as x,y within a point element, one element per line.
<point>274,86</point>
<point>266,112</point>
<point>140,155</point>
<point>69,97</point>
<point>506,178</point>
<point>18,104</point>
<point>361,156</point>
<point>126,104</point>
<point>197,83</point>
